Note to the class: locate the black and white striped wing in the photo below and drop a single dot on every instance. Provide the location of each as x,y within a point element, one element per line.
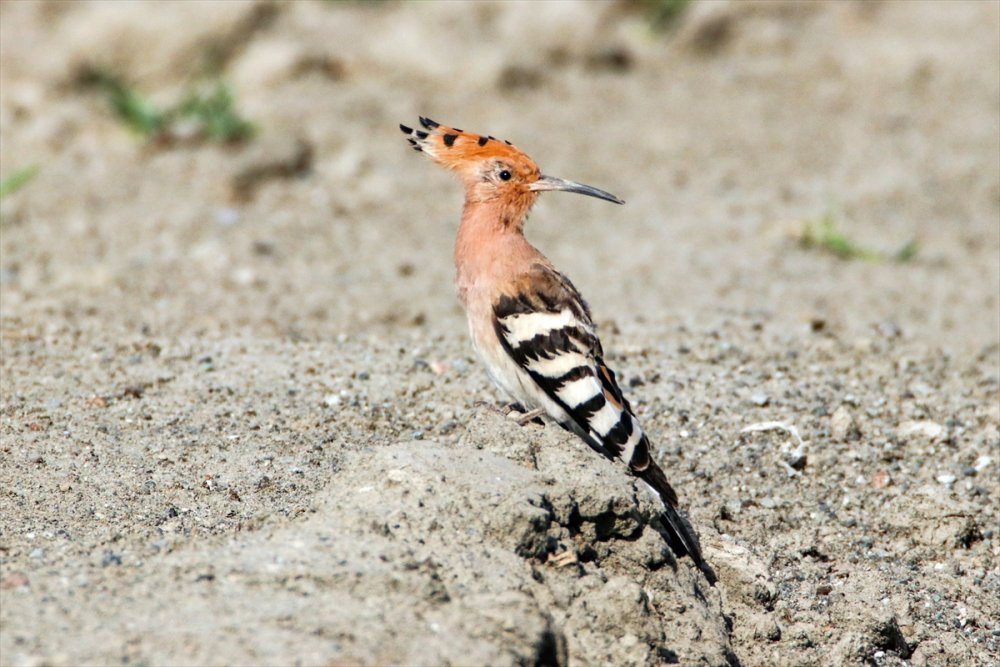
<point>546,328</point>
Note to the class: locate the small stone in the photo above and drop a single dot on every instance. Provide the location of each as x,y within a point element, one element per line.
<point>37,554</point>
<point>14,580</point>
<point>227,216</point>
<point>767,628</point>
<point>922,428</point>
<point>110,558</point>
<point>947,479</point>
<point>734,507</point>
<point>798,459</point>
<point>982,463</point>
<point>396,476</point>
<point>133,391</point>
<point>843,427</point>
<point>881,479</point>
<point>889,329</point>
<point>760,400</point>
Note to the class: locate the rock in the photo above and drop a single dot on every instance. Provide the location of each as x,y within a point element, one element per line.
<point>982,463</point>
<point>14,580</point>
<point>843,427</point>
<point>920,429</point>
<point>767,628</point>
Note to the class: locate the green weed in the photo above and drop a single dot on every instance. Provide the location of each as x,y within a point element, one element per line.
<point>17,180</point>
<point>215,110</point>
<point>663,14</point>
<point>823,234</point>
<point>137,112</point>
<point>211,108</point>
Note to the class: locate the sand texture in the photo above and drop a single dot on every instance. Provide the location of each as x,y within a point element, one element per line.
<point>241,422</point>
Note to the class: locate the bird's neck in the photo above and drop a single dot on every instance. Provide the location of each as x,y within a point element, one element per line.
<point>490,247</point>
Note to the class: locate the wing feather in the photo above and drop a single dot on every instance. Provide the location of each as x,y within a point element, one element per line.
<point>545,326</point>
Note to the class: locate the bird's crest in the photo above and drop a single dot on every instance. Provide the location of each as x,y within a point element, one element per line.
<point>455,149</point>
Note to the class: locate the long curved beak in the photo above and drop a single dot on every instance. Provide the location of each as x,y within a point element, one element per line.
<point>553,183</point>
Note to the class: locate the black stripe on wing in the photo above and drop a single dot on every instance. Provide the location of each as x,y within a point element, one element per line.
<point>551,345</point>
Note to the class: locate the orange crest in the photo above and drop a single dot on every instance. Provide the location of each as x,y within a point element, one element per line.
<point>492,169</point>
<point>457,150</point>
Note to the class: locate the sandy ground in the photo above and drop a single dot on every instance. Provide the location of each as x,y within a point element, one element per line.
<point>241,422</point>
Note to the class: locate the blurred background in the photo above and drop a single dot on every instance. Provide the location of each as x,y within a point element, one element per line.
<point>183,168</point>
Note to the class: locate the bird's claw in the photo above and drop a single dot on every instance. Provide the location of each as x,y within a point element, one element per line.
<point>522,418</point>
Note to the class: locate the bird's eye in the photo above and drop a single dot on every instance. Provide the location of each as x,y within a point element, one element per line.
<point>504,175</point>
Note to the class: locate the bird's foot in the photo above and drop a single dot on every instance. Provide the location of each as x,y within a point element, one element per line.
<point>522,417</point>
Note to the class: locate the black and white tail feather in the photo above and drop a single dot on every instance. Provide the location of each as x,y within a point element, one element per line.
<point>545,328</point>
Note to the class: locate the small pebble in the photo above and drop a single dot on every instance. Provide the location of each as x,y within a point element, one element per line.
<point>982,463</point>
<point>947,479</point>
<point>889,329</point>
<point>881,479</point>
<point>14,580</point>
<point>798,460</point>
<point>760,400</point>
<point>920,428</point>
<point>227,216</point>
<point>843,427</point>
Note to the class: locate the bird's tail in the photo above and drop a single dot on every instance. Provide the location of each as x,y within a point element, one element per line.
<point>680,535</point>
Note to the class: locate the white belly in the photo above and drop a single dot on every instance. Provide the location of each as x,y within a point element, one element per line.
<point>507,375</point>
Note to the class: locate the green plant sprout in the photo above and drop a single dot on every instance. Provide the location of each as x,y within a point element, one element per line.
<point>824,234</point>
<point>211,108</point>
<point>17,180</point>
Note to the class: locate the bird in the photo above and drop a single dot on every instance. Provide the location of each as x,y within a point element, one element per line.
<point>529,325</point>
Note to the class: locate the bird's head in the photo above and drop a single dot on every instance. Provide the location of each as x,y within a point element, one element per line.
<point>491,169</point>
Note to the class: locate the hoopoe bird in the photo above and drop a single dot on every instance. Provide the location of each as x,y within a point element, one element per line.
<point>529,324</point>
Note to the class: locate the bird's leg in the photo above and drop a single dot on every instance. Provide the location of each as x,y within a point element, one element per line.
<point>515,411</point>
<point>534,416</point>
